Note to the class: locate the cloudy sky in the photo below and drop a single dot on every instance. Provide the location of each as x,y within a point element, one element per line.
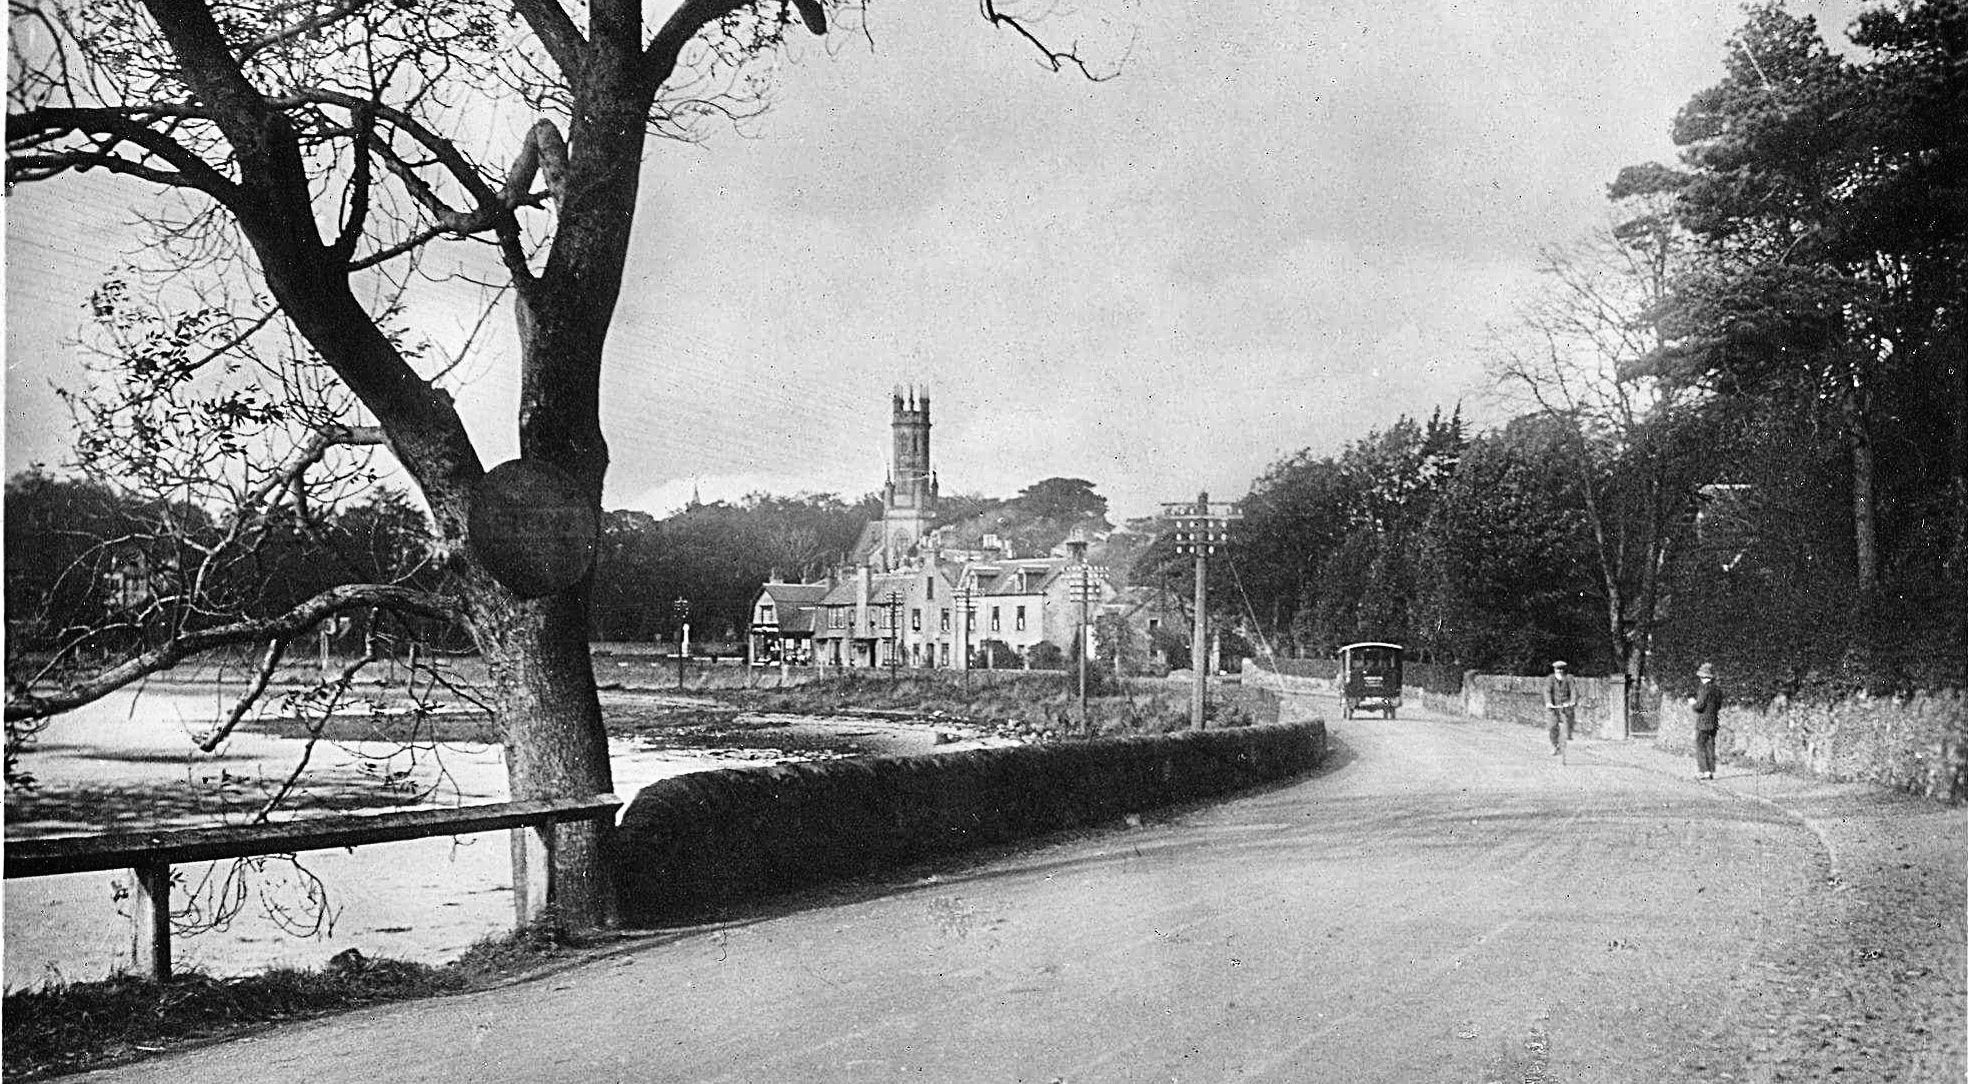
<point>1283,225</point>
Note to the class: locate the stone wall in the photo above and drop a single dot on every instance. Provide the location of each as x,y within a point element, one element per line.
<point>1601,708</point>
<point>690,844</point>
<point>1917,744</point>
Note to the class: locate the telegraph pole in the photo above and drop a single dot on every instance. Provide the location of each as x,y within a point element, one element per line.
<point>1084,590</point>
<point>965,607</point>
<point>894,638</point>
<point>1200,529</point>
<point>682,609</point>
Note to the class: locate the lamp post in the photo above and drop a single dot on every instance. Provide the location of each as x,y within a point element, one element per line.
<point>681,607</point>
<point>1201,528</point>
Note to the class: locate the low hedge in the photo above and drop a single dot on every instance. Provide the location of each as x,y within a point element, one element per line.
<point>690,844</point>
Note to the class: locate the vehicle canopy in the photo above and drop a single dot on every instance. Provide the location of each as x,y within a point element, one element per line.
<point>1370,677</point>
<point>1371,655</point>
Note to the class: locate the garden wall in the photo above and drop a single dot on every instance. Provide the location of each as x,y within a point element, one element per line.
<point>1917,744</point>
<point>689,844</point>
<point>1514,698</point>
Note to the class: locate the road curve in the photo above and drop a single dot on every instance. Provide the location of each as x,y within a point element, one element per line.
<point>1442,902</point>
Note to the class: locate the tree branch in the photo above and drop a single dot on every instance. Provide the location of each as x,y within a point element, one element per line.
<point>22,704</point>
<point>33,128</point>
<point>295,30</point>
<point>1052,58</point>
<point>660,58</point>
<point>557,32</point>
<point>276,648</point>
<point>359,185</point>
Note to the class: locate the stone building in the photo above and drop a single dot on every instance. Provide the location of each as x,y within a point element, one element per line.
<point>899,601</point>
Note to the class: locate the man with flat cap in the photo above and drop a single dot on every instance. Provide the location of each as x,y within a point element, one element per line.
<point>1561,699</point>
<point>1707,706</point>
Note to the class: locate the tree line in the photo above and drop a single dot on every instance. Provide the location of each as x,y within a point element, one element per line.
<point>96,566</point>
<point>1743,423</point>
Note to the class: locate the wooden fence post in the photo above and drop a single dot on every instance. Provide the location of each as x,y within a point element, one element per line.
<point>532,860</point>
<point>150,911</point>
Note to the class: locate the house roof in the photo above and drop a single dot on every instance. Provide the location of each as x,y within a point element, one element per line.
<point>801,619</point>
<point>795,594</point>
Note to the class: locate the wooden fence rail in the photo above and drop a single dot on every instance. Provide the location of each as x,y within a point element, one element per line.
<point>150,855</point>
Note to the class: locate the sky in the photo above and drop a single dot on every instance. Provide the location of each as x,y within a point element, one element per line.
<point>1280,227</point>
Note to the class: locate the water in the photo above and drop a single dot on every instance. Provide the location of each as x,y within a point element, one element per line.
<point>132,756</point>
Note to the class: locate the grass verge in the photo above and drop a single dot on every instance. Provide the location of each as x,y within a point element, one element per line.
<point>74,1027</point>
<point>1037,704</point>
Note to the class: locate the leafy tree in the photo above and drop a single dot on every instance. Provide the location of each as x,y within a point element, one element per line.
<point>1294,518</point>
<point>1062,499</point>
<point>1506,574</point>
<point>714,556</point>
<point>1046,655</point>
<point>1118,648</point>
<point>321,152</point>
<point>1824,196</point>
<point>1325,550</point>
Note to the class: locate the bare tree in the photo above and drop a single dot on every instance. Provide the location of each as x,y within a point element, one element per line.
<point>321,146</point>
<point>1576,355</point>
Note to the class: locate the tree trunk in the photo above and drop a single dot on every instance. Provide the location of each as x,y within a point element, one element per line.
<point>1858,438</point>
<point>544,702</point>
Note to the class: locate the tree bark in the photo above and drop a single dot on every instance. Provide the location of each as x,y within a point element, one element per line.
<point>1865,551</point>
<point>547,710</point>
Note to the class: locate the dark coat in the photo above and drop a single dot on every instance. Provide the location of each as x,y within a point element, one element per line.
<point>1708,707</point>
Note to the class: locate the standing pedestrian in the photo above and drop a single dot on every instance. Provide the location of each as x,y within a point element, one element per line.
<point>1561,700</point>
<point>1707,705</point>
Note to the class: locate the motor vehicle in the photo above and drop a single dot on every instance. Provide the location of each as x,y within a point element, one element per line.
<point>1370,678</point>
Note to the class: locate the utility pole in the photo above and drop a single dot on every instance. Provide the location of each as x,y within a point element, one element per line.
<point>1086,724</point>
<point>1200,529</point>
<point>682,609</point>
<point>894,637</point>
<point>1084,590</point>
<point>965,607</point>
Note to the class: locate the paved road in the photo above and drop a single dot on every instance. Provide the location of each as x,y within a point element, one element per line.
<point>1443,902</point>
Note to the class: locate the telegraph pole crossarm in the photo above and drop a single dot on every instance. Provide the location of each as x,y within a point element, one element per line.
<point>1201,529</point>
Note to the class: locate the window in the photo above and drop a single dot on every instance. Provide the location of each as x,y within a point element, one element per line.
<point>765,614</point>
<point>970,620</point>
<point>915,619</point>
<point>946,619</point>
<point>929,588</point>
<point>1154,623</point>
<point>1021,619</point>
<point>838,616</point>
<point>994,619</point>
<point>946,654</point>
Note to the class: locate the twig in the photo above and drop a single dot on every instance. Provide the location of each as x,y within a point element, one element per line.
<point>276,648</point>
<point>338,687</point>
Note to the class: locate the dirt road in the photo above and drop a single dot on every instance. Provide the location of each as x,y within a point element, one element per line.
<point>1443,902</point>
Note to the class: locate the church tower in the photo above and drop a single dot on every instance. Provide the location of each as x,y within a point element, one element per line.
<point>909,498</point>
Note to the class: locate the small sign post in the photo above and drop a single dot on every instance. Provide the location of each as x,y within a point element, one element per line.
<point>533,527</point>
